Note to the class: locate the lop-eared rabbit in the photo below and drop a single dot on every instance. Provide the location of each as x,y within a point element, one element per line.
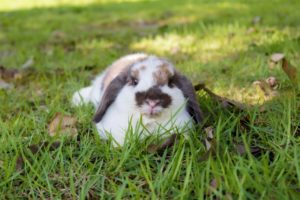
<point>143,93</point>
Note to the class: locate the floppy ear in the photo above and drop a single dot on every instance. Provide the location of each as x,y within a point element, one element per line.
<point>189,92</point>
<point>110,95</point>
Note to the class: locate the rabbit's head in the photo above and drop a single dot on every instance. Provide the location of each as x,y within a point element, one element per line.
<point>150,87</point>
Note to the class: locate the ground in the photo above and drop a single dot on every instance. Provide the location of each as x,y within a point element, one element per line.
<point>225,44</point>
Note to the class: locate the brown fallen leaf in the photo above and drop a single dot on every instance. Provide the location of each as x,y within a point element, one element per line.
<point>210,144</point>
<point>277,57</point>
<point>265,88</point>
<point>272,82</point>
<point>209,137</point>
<point>256,20</point>
<point>254,150</point>
<point>7,74</point>
<point>213,186</point>
<point>29,63</point>
<point>58,35</point>
<point>290,71</point>
<point>240,148</point>
<point>19,163</point>
<point>159,148</point>
<point>63,125</point>
<point>244,122</point>
<point>251,30</point>
<point>4,85</point>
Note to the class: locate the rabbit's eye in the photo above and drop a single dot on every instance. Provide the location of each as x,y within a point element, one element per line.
<point>134,81</point>
<point>171,82</point>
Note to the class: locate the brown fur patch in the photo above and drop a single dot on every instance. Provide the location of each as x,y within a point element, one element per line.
<point>135,73</point>
<point>120,66</point>
<point>162,75</point>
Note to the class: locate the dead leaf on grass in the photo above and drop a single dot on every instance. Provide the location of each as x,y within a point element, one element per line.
<point>254,150</point>
<point>256,20</point>
<point>272,82</point>
<point>63,125</point>
<point>277,57</point>
<point>213,186</point>
<point>264,87</point>
<point>290,71</point>
<point>7,74</point>
<point>4,85</point>
<point>159,148</point>
<point>58,35</point>
<point>209,140</point>
<point>19,163</point>
<point>240,148</point>
<point>251,30</point>
<point>29,63</point>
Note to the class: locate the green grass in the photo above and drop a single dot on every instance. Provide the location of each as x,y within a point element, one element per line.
<point>209,41</point>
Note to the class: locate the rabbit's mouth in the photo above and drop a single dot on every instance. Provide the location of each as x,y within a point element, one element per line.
<point>151,112</point>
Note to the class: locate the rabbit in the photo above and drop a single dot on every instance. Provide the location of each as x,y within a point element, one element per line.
<point>140,92</point>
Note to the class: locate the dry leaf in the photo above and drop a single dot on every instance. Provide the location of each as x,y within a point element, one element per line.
<point>63,125</point>
<point>251,30</point>
<point>254,150</point>
<point>290,70</point>
<point>4,85</point>
<point>276,57</point>
<point>240,148</point>
<point>264,87</point>
<point>28,63</point>
<point>272,82</point>
<point>209,142</point>
<point>213,186</point>
<point>19,163</point>
<point>7,74</point>
<point>256,20</point>
<point>159,148</point>
<point>58,35</point>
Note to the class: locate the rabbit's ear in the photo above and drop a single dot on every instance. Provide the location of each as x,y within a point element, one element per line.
<point>110,95</point>
<point>189,93</point>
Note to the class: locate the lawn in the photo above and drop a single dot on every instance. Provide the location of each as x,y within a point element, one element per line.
<point>228,45</point>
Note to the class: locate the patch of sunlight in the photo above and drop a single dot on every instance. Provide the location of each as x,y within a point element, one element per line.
<point>217,42</point>
<point>250,95</point>
<point>212,45</point>
<point>235,5</point>
<point>9,5</point>
<point>167,43</point>
<point>88,46</point>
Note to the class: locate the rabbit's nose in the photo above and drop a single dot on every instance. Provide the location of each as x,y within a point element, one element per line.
<point>152,103</point>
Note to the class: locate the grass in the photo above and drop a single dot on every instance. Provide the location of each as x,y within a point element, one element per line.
<point>215,42</point>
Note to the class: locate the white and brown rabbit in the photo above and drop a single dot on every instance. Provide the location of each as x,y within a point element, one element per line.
<point>144,92</point>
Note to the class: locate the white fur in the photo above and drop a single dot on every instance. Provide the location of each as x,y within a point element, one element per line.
<point>124,112</point>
